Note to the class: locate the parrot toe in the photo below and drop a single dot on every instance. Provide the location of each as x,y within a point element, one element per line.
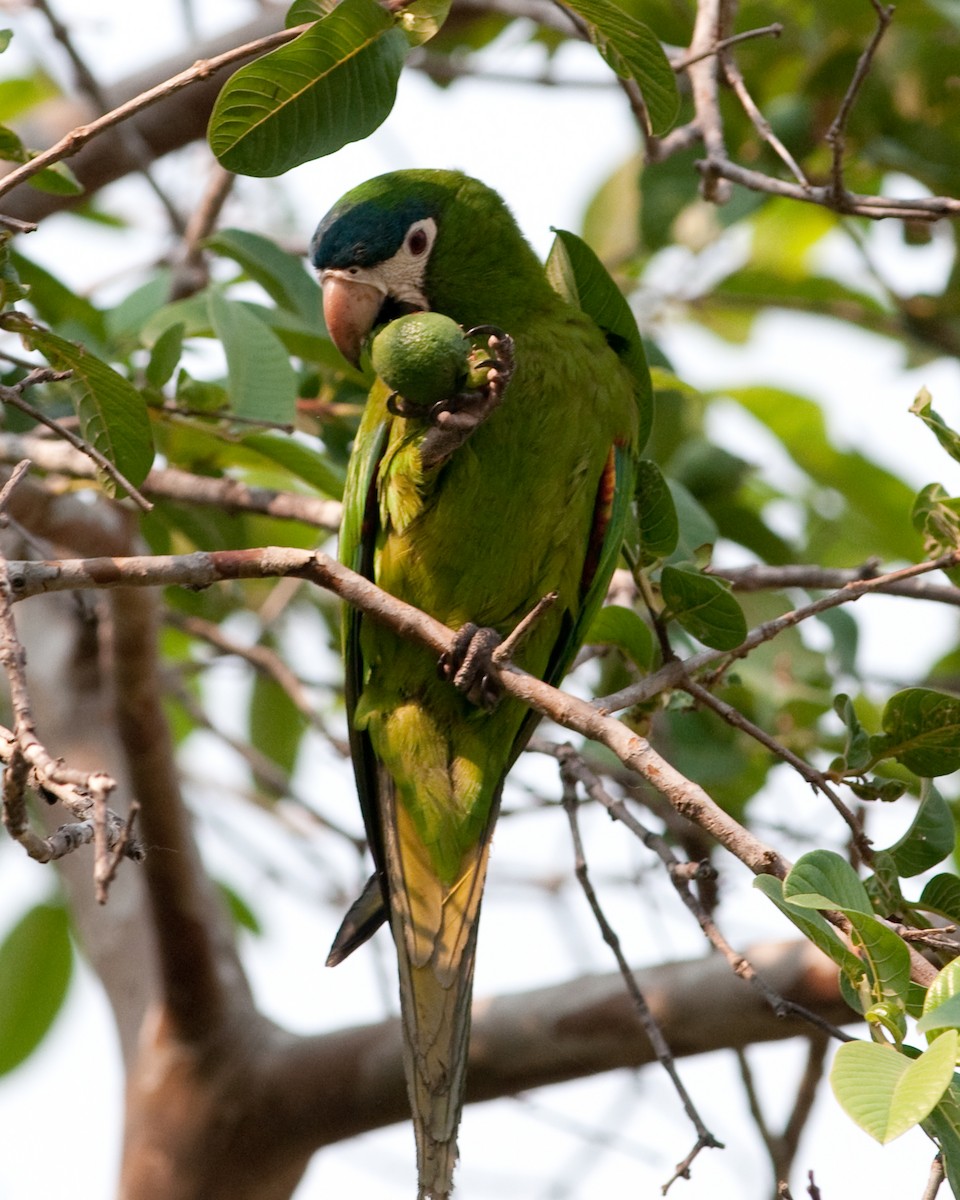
<point>469,665</point>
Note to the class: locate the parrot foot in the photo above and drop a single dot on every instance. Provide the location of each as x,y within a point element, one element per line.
<point>455,419</point>
<point>469,665</point>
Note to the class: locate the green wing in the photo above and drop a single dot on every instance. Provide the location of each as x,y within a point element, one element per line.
<point>358,531</point>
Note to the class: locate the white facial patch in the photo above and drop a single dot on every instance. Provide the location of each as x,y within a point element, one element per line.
<point>403,275</point>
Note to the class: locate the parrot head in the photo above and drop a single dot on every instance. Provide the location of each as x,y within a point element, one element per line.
<point>418,241</point>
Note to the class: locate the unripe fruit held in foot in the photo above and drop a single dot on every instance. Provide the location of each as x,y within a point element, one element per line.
<point>422,356</point>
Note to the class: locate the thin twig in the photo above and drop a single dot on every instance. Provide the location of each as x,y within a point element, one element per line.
<point>761,577</point>
<point>14,396</point>
<point>687,60</point>
<point>874,208</point>
<point>27,761</point>
<point>836,134</point>
<point>681,875</point>
<point>264,660</point>
<point>811,775</point>
<point>760,123</point>
<point>672,674</point>
<point>664,1055</point>
<point>934,1179</point>
<point>68,145</point>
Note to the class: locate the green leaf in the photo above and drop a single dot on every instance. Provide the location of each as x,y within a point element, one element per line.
<point>846,637</point>
<point>886,954</point>
<point>165,356</point>
<point>580,277</point>
<point>944,987</point>
<point>21,93</point>
<point>113,415</point>
<point>6,36</point>
<point>58,180</point>
<point>944,1016</point>
<point>948,439</point>
<point>275,724</point>
<point>813,926</point>
<point>336,83</point>
<point>199,395</point>
<point>263,385</point>
<point>423,19</point>
<point>822,879</point>
<point>885,1092</point>
<point>922,731</point>
<point>301,459</point>
<point>936,517</point>
<point>929,839</point>
<point>704,606</point>
<point>856,752</point>
<point>281,275</point>
<point>57,304</point>
<point>634,52</point>
<point>243,915</point>
<point>942,894</point>
<point>659,528</point>
<point>36,961</point>
<point>615,625</point>
<point>302,12</point>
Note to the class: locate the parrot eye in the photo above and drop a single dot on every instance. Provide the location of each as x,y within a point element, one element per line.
<point>417,241</point>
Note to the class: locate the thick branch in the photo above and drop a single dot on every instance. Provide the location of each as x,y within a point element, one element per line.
<point>200,973</point>
<point>170,483</point>
<point>552,1034</point>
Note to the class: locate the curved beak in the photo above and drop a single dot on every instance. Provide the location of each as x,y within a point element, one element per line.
<point>350,307</point>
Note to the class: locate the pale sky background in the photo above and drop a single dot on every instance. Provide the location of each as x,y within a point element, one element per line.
<point>546,151</point>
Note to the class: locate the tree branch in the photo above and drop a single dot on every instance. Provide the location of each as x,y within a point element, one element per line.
<point>590,720</point>
<point>200,972</point>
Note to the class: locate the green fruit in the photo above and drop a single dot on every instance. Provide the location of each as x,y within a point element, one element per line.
<point>422,356</point>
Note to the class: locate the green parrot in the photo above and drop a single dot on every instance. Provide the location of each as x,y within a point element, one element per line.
<point>473,511</point>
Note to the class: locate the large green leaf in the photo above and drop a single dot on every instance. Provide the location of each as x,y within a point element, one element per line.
<point>658,526</point>
<point>36,960</point>
<point>887,1093</point>
<point>581,278</point>
<point>886,954</point>
<point>822,879</point>
<point>921,729</point>
<point>704,606</point>
<point>263,385</point>
<point>275,724</point>
<point>334,84</point>
<point>634,52</point>
<point>929,839</point>
<point>615,625</point>
<point>942,894</point>
<point>113,415</point>
<point>301,459</point>
<point>282,276</point>
<point>813,926</point>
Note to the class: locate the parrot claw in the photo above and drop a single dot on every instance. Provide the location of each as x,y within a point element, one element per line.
<point>469,665</point>
<point>455,419</point>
